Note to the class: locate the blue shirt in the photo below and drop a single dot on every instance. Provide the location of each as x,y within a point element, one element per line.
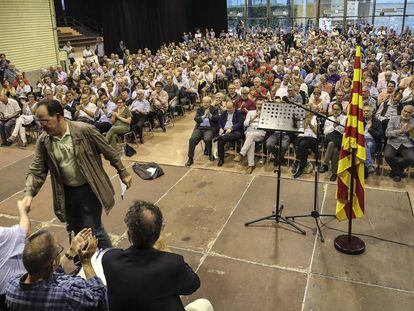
<point>110,107</point>
<point>61,292</point>
<point>140,105</point>
<point>229,122</point>
<point>11,250</point>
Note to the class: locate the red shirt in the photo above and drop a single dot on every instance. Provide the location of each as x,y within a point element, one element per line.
<point>241,103</point>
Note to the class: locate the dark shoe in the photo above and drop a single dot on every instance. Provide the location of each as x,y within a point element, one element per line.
<point>189,162</point>
<point>8,143</point>
<point>324,168</point>
<point>397,178</point>
<point>371,169</point>
<point>211,157</point>
<point>164,129</point>
<point>298,172</point>
<point>220,162</point>
<point>205,152</point>
<point>3,144</point>
<point>295,167</point>
<point>333,177</point>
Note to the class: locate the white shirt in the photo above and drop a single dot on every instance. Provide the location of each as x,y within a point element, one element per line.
<point>11,108</point>
<point>329,126</point>
<point>91,107</point>
<point>308,131</point>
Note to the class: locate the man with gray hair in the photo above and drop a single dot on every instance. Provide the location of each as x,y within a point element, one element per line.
<point>140,109</point>
<point>399,152</point>
<point>9,111</point>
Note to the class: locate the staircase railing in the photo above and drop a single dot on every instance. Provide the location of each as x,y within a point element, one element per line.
<point>84,24</point>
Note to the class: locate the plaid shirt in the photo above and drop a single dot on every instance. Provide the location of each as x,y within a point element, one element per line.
<point>60,292</point>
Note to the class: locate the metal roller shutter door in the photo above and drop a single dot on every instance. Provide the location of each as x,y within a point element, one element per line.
<point>27,34</point>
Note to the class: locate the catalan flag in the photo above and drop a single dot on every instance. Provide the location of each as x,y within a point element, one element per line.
<point>353,145</point>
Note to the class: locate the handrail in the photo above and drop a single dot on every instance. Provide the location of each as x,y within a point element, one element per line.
<point>85,23</point>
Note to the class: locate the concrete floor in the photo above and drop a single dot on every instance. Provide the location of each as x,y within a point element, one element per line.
<point>266,266</point>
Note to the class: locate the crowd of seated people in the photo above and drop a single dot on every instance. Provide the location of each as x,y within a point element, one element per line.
<point>128,91</point>
<point>316,72</point>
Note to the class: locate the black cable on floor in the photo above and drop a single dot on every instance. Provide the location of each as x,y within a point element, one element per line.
<point>368,236</point>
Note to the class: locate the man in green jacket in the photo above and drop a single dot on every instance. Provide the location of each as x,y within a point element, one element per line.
<point>71,152</point>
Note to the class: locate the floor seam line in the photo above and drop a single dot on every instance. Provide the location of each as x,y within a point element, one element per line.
<point>224,225</point>
<point>338,278</point>
<point>14,162</point>
<point>290,269</point>
<point>309,272</point>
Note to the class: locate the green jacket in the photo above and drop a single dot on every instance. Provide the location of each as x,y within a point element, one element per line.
<point>89,144</point>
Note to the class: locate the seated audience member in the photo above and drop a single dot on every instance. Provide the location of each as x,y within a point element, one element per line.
<point>244,103</point>
<point>206,119</point>
<point>103,114</point>
<point>399,152</point>
<point>159,105</point>
<point>382,84</point>
<point>304,142</point>
<point>252,135</point>
<point>373,134</point>
<point>272,145</point>
<point>277,92</point>
<point>69,106</point>
<point>232,93</point>
<point>173,93</point>
<point>230,129</point>
<point>121,120</point>
<point>192,90</point>
<point>9,111</point>
<point>389,106</point>
<point>85,110</point>
<point>7,89</point>
<point>326,99</point>
<point>144,278</point>
<point>260,93</point>
<point>333,137</point>
<point>219,102</point>
<point>140,109</point>
<point>12,241</point>
<point>293,96</point>
<point>45,286</point>
<point>24,120</point>
<point>408,94</point>
<point>338,99</point>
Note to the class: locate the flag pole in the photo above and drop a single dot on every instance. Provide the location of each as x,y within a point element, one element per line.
<point>351,197</point>
<point>347,243</point>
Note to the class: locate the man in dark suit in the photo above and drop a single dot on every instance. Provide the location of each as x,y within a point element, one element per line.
<point>373,136</point>
<point>231,129</point>
<point>141,277</point>
<point>206,120</point>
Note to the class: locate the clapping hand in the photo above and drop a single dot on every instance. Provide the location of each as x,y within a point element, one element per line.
<point>86,255</point>
<point>79,241</point>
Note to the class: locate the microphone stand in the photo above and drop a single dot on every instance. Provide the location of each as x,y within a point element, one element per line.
<point>315,214</point>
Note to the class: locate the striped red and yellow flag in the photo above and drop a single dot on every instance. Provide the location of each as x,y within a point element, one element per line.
<point>353,142</point>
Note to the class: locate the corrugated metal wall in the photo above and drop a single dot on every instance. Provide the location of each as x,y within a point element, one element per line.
<point>27,33</point>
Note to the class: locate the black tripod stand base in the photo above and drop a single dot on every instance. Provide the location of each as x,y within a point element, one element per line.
<point>353,246</point>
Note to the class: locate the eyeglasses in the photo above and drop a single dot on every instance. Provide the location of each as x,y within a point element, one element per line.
<point>41,121</point>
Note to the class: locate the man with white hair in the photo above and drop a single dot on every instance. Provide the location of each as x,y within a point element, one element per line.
<point>9,111</point>
<point>399,152</point>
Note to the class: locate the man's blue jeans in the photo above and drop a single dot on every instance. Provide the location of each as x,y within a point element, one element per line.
<point>370,148</point>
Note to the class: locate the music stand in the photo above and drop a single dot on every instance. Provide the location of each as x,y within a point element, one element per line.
<point>281,117</point>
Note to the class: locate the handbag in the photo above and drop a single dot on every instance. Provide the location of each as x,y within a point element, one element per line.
<point>129,151</point>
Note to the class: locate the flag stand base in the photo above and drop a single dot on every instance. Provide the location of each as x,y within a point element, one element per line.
<point>349,246</point>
